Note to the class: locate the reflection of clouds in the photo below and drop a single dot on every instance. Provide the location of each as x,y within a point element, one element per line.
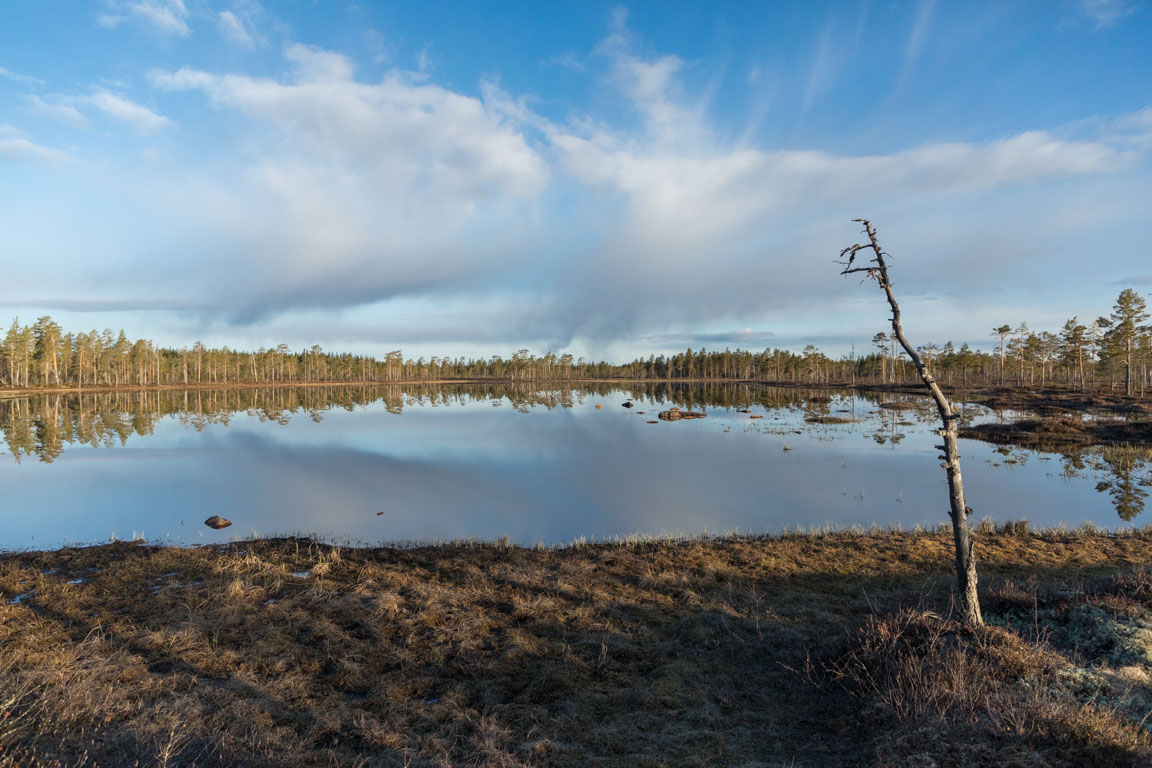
<point>550,474</point>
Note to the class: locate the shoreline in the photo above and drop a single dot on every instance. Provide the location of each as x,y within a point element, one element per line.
<point>985,526</point>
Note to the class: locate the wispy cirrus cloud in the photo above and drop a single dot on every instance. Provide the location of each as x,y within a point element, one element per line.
<point>1105,13</point>
<point>164,17</point>
<point>56,109</point>
<point>236,27</point>
<point>16,77</point>
<point>919,33</point>
<point>15,148</point>
<point>124,110</point>
<point>67,109</point>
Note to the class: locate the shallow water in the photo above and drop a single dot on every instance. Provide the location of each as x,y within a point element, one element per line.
<point>379,464</point>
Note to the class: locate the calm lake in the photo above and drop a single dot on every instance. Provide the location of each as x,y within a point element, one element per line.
<point>375,464</point>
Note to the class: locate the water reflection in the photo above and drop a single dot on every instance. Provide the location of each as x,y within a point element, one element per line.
<point>41,425</point>
<point>540,465</point>
<point>1126,476</point>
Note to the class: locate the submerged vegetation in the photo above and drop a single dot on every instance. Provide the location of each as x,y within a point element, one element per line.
<point>820,649</point>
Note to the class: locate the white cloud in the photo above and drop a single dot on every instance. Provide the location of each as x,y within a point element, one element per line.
<point>136,116</point>
<point>17,149</point>
<point>365,191</point>
<point>651,85</point>
<point>1105,13</point>
<point>330,192</point>
<point>410,136</point>
<point>720,217</point>
<point>315,65</point>
<point>232,28</point>
<point>822,71</point>
<point>568,60</point>
<point>919,31</point>
<point>361,191</point>
<point>18,78</point>
<point>65,109</point>
<point>165,17</point>
<point>57,110</point>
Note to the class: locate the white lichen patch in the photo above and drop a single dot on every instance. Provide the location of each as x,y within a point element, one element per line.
<point>1119,640</point>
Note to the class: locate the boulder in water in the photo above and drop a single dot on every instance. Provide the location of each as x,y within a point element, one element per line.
<point>217,522</point>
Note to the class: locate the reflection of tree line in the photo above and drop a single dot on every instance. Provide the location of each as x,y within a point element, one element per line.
<point>718,394</point>
<point>42,425</point>
<point>1125,475</point>
<point>1124,472</point>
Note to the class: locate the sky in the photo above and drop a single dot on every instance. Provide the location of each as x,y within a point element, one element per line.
<point>606,179</point>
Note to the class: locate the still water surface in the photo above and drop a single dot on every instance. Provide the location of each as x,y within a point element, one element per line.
<point>383,464</point>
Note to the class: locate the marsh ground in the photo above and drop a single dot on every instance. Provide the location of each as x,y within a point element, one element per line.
<point>806,650</point>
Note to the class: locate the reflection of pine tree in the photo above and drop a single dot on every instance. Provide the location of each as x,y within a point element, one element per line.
<point>48,445</point>
<point>1125,486</point>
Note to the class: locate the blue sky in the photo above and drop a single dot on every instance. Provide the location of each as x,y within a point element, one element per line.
<point>602,178</point>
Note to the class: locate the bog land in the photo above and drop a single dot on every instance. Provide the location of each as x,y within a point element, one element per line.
<point>815,649</point>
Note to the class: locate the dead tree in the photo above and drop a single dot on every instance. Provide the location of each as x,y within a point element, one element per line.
<point>877,269</point>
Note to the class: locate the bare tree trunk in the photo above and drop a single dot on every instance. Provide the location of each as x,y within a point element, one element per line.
<point>959,511</point>
<point>1128,369</point>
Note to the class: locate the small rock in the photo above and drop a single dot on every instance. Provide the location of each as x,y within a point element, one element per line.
<point>217,522</point>
<point>628,404</point>
<point>675,414</point>
<point>653,421</point>
<point>598,406</point>
<point>755,416</point>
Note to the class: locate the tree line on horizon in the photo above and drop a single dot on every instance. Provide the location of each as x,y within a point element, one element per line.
<point>1113,351</point>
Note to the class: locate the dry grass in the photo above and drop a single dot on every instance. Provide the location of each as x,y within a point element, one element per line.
<point>643,653</point>
<point>940,694</point>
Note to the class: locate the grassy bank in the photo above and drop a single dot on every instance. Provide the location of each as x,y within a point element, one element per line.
<point>805,650</point>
